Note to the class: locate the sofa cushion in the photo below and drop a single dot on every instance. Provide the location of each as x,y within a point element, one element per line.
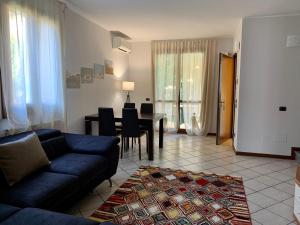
<point>42,190</point>
<point>87,144</point>
<point>86,167</point>
<point>6,211</point>
<point>55,147</point>
<point>30,216</point>
<point>43,134</point>
<point>22,157</point>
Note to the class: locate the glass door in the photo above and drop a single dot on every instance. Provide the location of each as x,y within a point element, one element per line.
<point>166,89</point>
<point>178,88</point>
<point>190,90</point>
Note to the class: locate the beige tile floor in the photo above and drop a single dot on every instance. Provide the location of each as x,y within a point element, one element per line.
<point>269,183</point>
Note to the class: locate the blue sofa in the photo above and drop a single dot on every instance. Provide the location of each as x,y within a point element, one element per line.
<point>78,164</point>
<point>10,215</point>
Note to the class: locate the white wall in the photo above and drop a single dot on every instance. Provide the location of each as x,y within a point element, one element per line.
<point>140,72</point>
<point>86,44</point>
<point>270,77</point>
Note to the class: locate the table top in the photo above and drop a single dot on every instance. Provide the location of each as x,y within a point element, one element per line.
<point>144,116</point>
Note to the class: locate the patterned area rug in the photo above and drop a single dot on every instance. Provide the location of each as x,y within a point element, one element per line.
<point>154,195</point>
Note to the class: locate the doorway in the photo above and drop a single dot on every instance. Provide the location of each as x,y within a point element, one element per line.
<point>226,99</point>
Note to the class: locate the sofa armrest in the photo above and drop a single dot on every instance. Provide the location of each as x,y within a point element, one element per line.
<point>6,211</point>
<point>96,145</point>
<point>93,145</point>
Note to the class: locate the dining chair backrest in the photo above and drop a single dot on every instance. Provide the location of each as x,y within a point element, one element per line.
<point>107,125</point>
<point>147,108</point>
<point>130,123</point>
<point>129,105</point>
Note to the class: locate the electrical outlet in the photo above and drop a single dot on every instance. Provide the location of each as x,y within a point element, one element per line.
<point>282,108</point>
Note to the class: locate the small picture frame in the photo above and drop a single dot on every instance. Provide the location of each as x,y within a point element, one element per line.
<point>73,81</point>
<point>109,69</point>
<point>86,75</point>
<point>98,71</point>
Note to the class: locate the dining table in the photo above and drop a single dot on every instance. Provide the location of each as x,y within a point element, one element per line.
<point>146,120</point>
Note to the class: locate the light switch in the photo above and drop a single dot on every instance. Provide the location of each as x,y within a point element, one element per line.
<point>293,41</point>
<point>282,108</point>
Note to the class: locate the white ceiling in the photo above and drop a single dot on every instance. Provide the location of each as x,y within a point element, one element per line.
<point>175,19</point>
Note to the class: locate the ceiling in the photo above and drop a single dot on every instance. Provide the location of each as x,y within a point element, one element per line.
<point>144,20</point>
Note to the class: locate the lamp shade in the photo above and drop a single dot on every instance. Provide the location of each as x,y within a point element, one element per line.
<point>128,86</point>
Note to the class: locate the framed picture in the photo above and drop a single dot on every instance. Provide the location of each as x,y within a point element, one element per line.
<point>98,71</point>
<point>73,81</point>
<point>86,75</point>
<point>109,69</point>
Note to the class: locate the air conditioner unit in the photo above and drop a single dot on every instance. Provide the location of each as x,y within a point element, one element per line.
<point>121,44</point>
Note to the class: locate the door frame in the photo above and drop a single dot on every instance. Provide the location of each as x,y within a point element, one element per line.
<point>234,105</point>
<point>234,56</point>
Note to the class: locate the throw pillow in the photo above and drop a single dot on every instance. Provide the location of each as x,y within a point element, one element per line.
<point>21,158</point>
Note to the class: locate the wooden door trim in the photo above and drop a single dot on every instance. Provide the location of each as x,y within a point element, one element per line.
<point>218,102</point>
<point>234,96</point>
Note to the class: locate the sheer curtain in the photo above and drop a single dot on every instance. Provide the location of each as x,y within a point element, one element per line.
<point>166,77</point>
<point>187,68</point>
<point>191,91</point>
<point>31,58</point>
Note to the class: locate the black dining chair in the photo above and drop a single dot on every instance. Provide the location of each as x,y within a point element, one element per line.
<point>131,129</point>
<point>128,105</point>
<point>147,108</point>
<point>107,126</point>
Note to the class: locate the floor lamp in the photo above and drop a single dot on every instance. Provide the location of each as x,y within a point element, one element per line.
<point>128,86</point>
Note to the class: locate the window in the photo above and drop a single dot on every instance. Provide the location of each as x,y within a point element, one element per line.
<point>29,60</point>
<point>34,78</point>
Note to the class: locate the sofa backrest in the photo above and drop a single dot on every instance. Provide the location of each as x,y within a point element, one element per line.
<point>55,146</point>
<point>43,134</point>
<point>53,142</point>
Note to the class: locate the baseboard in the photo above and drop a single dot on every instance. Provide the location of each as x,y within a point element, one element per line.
<point>264,155</point>
<point>233,147</point>
<point>296,219</point>
<point>211,134</point>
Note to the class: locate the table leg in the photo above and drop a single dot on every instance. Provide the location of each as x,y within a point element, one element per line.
<point>151,142</point>
<point>88,127</point>
<point>127,144</point>
<point>161,133</point>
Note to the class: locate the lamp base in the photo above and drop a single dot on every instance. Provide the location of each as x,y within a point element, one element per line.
<point>128,98</point>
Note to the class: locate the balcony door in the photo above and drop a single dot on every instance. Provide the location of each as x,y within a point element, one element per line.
<point>178,88</point>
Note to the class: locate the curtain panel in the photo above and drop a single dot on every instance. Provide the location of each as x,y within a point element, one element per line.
<point>183,74</point>
<point>31,60</point>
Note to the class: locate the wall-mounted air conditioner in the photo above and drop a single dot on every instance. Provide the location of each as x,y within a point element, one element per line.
<point>121,44</point>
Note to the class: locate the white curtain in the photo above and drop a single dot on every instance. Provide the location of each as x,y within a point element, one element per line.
<point>31,63</point>
<point>191,91</point>
<point>183,72</point>
<point>166,89</point>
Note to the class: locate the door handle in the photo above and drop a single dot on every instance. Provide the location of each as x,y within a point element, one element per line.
<point>222,104</point>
